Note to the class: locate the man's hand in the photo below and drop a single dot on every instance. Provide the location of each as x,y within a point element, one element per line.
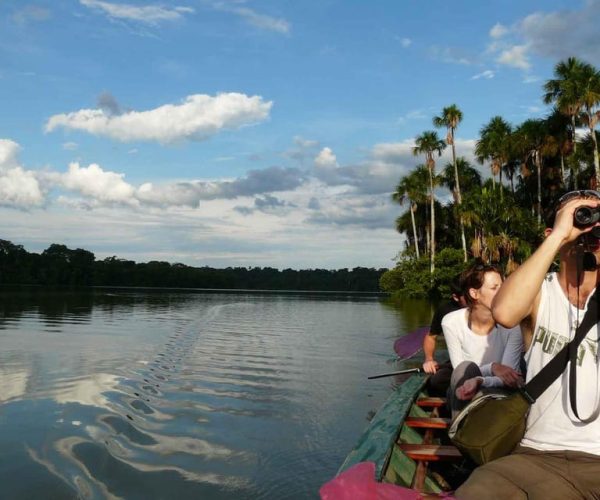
<point>466,391</point>
<point>509,376</point>
<point>563,224</point>
<point>430,366</point>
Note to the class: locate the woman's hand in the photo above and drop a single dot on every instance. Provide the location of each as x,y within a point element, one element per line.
<point>430,366</point>
<point>469,388</point>
<point>509,376</point>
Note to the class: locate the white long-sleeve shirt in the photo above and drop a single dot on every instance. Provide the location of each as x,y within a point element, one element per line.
<point>501,345</point>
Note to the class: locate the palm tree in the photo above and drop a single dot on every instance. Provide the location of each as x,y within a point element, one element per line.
<point>502,230</point>
<point>494,146</point>
<point>564,90</point>
<point>576,91</point>
<point>428,143</point>
<point>450,117</point>
<point>413,189</point>
<point>589,79</point>
<point>468,175</point>
<point>559,127</point>
<point>535,142</point>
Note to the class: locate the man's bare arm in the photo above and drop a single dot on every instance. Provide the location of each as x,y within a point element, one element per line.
<point>519,295</point>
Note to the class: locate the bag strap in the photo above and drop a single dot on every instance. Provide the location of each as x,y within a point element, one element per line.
<point>573,385</point>
<point>547,375</point>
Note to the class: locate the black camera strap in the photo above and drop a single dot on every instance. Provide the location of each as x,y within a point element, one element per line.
<point>549,373</point>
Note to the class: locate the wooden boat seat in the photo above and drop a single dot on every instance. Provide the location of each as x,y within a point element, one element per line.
<point>431,402</point>
<point>430,452</point>
<point>427,422</point>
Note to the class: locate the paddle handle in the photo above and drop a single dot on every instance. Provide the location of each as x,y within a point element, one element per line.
<point>401,372</point>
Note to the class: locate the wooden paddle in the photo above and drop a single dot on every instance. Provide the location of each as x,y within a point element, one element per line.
<point>410,344</point>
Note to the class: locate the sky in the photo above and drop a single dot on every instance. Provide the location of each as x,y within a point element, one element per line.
<point>252,133</point>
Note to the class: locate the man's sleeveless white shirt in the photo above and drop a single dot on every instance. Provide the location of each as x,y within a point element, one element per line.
<point>551,424</point>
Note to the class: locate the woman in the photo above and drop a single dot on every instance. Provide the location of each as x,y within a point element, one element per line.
<point>482,353</point>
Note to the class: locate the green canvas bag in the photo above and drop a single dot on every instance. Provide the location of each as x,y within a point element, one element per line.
<point>492,425</point>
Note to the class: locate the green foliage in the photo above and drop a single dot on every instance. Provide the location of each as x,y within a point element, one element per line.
<point>412,278</point>
<point>61,266</point>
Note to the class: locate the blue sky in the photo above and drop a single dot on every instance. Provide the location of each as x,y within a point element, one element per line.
<point>251,133</point>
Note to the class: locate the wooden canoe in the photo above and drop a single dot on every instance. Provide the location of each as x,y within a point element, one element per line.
<point>407,440</point>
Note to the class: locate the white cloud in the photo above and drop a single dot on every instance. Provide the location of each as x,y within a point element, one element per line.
<point>393,151</point>
<point>555,35</point>
<point>31,13</point>
<point>305,143</point>
<point>531,79</point>
<point>255,182</point>
<point>405,42</point>
<point>19,188</point>
<point>9,152</point>
<point>515,56</point>
<point>69,146</point>
<point>498,30</point>
<point>416,114</point>
<point>326,158</point>
<point>564,33</point>
<point>305,149</point>
<point>197,118</point>
<point>94,182</point>
<point>358,211</point>
<point>452,55</point>
<point>262,21</point>
<point>148,14</point>
<point>399,155</point>
<point>487,74</point>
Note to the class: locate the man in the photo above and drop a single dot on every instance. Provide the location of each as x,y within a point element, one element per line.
<point>439,381</point>
<point>559,456</point>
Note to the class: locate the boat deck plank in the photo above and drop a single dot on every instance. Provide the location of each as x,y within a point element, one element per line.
<point>430,452</point>
<point>427,422</point>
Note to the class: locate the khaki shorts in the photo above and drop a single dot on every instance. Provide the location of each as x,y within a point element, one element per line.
<point>535,475</point>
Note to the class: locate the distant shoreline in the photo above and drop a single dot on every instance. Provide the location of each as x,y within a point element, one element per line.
<point>198,290</point>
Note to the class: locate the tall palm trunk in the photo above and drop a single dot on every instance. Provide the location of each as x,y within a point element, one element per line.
<point>458,197</point>
<point>574,167</point>
<point>413,207</point>
<point>538,165</point>
<point>432,255</point>
<point>573,138</point>
<point>591,125</point>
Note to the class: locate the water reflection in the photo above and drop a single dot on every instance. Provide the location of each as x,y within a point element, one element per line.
<point>136,394</point>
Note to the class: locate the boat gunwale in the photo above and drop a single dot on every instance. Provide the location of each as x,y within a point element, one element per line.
<point>377,440</point>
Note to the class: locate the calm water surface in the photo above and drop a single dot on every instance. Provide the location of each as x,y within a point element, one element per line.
<point>162,394</point>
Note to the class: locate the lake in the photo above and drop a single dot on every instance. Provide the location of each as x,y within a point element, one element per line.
<point>149,394</point>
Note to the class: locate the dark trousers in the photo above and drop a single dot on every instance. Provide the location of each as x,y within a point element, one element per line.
<point>463,372</point>
<point>438,383</point>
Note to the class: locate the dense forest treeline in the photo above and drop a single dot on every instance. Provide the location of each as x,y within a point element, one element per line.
<point>61,266</point>
<point>501,219</point>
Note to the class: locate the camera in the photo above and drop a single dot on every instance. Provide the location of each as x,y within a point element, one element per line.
<point>586,216</point>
